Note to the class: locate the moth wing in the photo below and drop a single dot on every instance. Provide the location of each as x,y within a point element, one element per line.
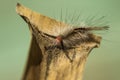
<point>33,61</point>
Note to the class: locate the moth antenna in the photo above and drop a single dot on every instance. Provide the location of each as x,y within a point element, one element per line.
<point>92,28</point>
<point>98,28</point>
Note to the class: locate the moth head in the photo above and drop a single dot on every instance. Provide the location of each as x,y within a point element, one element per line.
<point>69,39</point>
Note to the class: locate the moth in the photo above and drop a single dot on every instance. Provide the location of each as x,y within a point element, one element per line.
<point>58,51</point>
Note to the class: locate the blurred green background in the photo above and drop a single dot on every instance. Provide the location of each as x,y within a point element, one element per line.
<point>103,63</point>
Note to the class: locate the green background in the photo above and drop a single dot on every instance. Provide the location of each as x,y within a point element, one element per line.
<point>103,63</point>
